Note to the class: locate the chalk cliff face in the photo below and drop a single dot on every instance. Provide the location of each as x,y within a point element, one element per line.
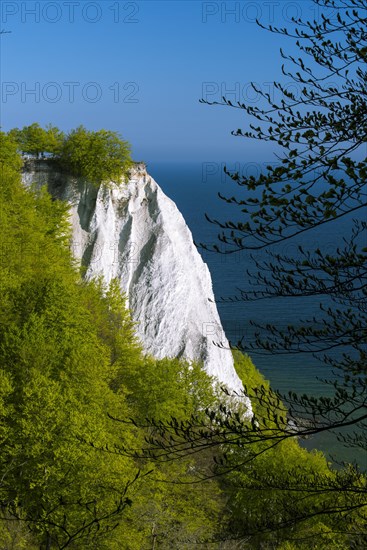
<point>136,233</point>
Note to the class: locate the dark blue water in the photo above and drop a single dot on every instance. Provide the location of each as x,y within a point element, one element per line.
<point>194,188</point>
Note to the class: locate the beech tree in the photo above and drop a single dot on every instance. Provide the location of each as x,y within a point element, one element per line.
<point>98,156</point>
<point>320,178</point>
<point>57,380</point>
<point>35,140</point>
<point>9,152</point>
<point>70,363</point>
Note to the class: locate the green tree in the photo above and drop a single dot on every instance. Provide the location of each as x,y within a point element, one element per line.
<point>57,381</point>
<point>172,510</point>
<point>70,364</point>
<point>54,140</point>
<point>167,388</point>
<point>34,140</point>
<point>31,139</point>
<point>9,152</point>
<point>98,156</point>
<point>276,492</point>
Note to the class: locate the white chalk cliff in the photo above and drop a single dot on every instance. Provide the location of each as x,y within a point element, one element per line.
<point>136,233</point>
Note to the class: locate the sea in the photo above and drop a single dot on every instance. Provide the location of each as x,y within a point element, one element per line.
<point>194,187</point>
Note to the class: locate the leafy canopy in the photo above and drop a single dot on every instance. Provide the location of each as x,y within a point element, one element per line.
<point>69,363</point>
<point>98,156</point>
<point>34,140</point>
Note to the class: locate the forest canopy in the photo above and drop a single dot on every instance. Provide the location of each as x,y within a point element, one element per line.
<point>81,406</point>
<point>99,156</point>
<point>69,361</point>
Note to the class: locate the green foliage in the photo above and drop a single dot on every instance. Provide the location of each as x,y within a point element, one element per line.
<point>54,140</point>
<point>114,325</point>
<point>286,493</point>
<point>57,381</point>
<point>168,388</point>
<point>34,140</point>
<point>172,508</point>
<point>14,535</point>
<point>9,152</point>
<point>248,373</point>
<point>98,156</point>
<point>278,495</point>
<point>69,364</point>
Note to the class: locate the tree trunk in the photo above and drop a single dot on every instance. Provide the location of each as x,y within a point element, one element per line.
<point>48,542</point>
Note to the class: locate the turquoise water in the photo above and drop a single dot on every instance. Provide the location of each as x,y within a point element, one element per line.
<point>194,189</point>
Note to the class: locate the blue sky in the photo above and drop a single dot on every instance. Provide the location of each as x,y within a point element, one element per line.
<point>141,67</point>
